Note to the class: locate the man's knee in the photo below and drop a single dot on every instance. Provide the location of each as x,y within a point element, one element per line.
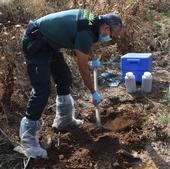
<point>44,90</point>
<point>64,84</point>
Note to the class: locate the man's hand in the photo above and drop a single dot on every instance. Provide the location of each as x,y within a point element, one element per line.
<point>96,98</point>
<point>95,63</point>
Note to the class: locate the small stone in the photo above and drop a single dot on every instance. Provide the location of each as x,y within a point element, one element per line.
<point>2,58</point>
<point>17,26</point>
<point>6,33</point>
<point>13,38</point>
<point>91,165</point>
<point>115,164</point>
<point>80,5</point>
<point>61,156</point>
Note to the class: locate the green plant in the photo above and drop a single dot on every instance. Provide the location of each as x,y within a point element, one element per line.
<point>146,106</point>
<point>166,96</point>
<point>162,136</point>
<point>149,13</point>
<point>157,29</point>
<point>167,13</point>
<point>164,119</point>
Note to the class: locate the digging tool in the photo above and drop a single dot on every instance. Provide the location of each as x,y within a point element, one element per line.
<point>28,162</point>
<point>98,120</point>
<point>58,139</point>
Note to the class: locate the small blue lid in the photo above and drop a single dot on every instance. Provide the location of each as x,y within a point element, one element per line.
<point>137,55</point>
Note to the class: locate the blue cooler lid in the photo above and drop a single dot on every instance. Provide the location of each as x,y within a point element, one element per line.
<point>137,55</point>
<point>136,61</point>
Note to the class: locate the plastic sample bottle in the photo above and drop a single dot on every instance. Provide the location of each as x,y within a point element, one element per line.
<point>130,82</point>
<point>146,82</point>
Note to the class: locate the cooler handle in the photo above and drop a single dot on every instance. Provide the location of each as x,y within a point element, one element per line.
<point>133,61</point>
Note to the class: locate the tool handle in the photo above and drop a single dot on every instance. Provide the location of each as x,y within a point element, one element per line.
<point>95,80</point>
<point>98,119</point>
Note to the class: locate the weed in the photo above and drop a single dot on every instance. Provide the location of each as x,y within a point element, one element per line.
<point>167,13</point>
<point>166,98</point>
<point>163,119</point>
<point>146,106</point>
<point>157,29</point>
<point>162,136</point>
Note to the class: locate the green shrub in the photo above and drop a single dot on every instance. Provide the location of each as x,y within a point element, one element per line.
<point>167,13</point>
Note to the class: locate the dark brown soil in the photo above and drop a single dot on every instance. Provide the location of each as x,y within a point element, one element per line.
<point>87,146</point>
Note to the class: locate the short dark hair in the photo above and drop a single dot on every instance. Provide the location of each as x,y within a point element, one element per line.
<point>112,20</point>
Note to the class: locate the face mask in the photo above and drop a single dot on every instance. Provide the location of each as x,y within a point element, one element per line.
<point>104,39</point>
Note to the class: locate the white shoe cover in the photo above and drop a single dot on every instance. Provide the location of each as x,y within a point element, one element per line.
<point>29,139</point>
<point>65,114</point>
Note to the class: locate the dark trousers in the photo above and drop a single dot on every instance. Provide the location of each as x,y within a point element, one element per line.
<point>41,65</point>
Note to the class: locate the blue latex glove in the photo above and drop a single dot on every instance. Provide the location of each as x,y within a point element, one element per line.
<point>95,63</point>
<point>96,98</point>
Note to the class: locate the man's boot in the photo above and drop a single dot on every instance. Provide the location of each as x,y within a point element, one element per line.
<point>29,139</point>
<point>65,114</point>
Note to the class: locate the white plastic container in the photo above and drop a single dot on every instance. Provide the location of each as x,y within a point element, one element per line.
<point>130,82</point>
<point>146,82</point>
